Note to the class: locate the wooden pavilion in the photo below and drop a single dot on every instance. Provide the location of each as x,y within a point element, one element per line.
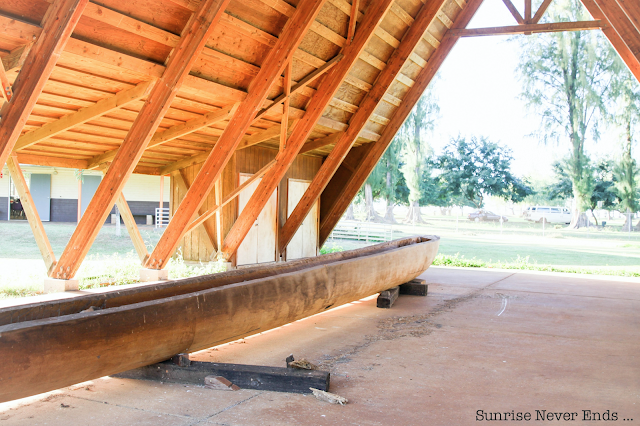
<point>226,96</point>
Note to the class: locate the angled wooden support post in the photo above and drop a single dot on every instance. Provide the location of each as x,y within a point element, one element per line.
<point>6,86</point>
<point>30,211</point>
<point>194,36</point>
<point>60,20</point>
<point>216,209</point>
<point>132,228</point>
<point>347,190</point>
<point>326,90</point>
<point>183,181</point>
<point>395,63</point>
<point>620,32</point>
<point>282,53</point>
<point>541,10</point>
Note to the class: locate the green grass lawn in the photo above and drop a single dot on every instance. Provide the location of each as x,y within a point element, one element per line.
<point>517,244</point>
<point>605,250</point>
<point>17,241</point>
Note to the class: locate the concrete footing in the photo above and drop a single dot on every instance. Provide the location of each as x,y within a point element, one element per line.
<point>147,275</point>
<point>53,285</point>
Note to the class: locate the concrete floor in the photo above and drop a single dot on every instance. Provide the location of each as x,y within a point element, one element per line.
<point>481,340</point>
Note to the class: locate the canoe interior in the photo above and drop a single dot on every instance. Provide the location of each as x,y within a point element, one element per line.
<point>126,295</point>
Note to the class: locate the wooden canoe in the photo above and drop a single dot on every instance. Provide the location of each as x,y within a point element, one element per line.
<point>53,344</point>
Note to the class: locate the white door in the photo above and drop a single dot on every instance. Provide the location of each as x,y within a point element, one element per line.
<point>305,241</point>
<point>259,246</point>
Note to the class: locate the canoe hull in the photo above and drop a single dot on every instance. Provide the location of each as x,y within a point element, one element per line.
<point>47,354</point>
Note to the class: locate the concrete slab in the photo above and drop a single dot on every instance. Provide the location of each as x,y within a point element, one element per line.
<point>482,340</point>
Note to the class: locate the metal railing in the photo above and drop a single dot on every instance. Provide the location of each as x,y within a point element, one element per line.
<point>163,216</point>
<point>362,231</point>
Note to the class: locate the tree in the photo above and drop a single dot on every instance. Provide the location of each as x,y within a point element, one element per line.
<point>625,113</point>
<point>566,76</point>
<point>386,180</point>
<point>416,150</point>
<point>477,168</point>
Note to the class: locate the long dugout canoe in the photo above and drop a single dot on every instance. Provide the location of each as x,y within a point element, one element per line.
<point>53,344</point>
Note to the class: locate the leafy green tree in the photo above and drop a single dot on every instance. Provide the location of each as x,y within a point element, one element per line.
<point>566,76</point>
<point>624,112</point>
<point>416,150</point>
<point>386,179</point>
<point>478,168</point>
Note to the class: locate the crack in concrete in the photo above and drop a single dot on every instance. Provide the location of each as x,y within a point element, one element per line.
<point>204,419</point>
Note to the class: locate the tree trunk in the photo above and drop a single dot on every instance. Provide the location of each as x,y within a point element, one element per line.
<point>370,214</point>
<point>349,214</point>
<point>388,216</point>
<point>629,223</point>
<point>413,214</point>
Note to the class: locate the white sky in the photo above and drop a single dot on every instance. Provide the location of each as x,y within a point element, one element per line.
<point>478,93</point>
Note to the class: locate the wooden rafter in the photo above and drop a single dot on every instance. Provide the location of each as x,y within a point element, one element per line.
<point>514,11</point>
<point>42,241</point>
<point>541,10</point>
<point>347,190</point>
<point>67,122</point>
<point>7,93</point>
<point>530,28</point>
<point>627,47</point>
<point>326,90</point>
<point>175,132</point>
<point>194,36</point>
<point>353,18</point>
<point>282,53</point>
<point>58,25</point>
<point>395,63</point>
<point>284,126</point>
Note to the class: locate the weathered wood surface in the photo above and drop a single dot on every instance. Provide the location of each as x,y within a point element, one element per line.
<point>415,288</point>
<point>387,298</point>
<point>36,354</point>
<point>256,377</point>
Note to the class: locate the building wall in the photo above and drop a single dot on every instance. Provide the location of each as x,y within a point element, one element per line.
<point>141,191</point>
<point>4,195</point>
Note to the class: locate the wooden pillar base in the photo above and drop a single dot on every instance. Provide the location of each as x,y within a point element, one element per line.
<point>148,275</point>
<point>415,287</point>
<point>388,297</point>
<point>254,377</point>
<point>53,285</point>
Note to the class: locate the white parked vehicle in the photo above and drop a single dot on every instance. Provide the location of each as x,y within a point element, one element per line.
<point>548,214</point>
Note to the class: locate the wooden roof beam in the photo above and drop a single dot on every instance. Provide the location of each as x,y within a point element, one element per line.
<point>398,59</point>
<point>99,109</point>
<point>376,11</point>
<point>347,190</point>
<point>627,48</point>
<point>194,36</point>
<point>514,11</point>
<point>530,29</point>
<point>60,20</point>
<point>175,132</point>
<point>292,34</point>
<point>541,11</point>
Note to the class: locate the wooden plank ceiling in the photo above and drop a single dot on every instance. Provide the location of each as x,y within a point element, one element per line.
<point>118,50</point>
